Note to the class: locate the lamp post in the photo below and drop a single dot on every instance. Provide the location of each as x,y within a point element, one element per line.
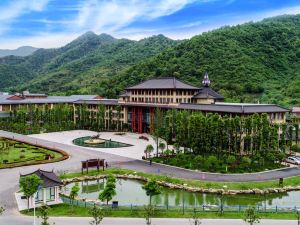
<point>34,197</point>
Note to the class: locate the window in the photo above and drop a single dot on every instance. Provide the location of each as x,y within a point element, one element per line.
<point>50,194</point>
<point>39,197</point>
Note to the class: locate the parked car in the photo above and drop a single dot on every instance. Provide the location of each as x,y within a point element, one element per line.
<point>293,160</point>
<point>297,157</point>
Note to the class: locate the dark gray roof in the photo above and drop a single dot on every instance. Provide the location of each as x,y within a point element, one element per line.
<point>98,102</point>
<point>207,92</point>
<point>34,95</point>
<point>296,109</point>
<point>49,178</point>
<point>79,97</point>
<point>48,100</point>
<point>124,94</point>
<point>234,108</point>
<point>163,83</point>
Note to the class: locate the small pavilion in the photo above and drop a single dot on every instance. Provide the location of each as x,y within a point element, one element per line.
<point>49,190</point>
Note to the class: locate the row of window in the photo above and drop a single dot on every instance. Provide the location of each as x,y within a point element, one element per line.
<point>276,116</point>
<point>95,107</point>
<point>162,92</point>
<point>161,100</point>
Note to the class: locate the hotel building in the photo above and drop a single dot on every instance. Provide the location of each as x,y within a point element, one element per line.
<point>137,104</point>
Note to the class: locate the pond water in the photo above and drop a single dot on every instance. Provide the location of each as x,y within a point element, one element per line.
<point>131,192</point>
<point>106,144</point>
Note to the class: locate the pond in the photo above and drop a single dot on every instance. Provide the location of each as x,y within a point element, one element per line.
<point>131,192</point>
<point>107,144</point>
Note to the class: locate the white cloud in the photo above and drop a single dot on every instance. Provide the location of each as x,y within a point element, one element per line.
<point>17,8</point>
<point>110,16</point>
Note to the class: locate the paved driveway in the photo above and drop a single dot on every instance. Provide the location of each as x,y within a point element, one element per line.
<point>136,221</point>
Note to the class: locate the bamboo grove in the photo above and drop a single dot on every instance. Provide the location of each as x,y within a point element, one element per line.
<point>202,134</point>
<point>31,119</point>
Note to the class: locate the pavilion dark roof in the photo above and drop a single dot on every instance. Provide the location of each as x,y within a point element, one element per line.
<point>163,83</point>
<point>207,92</point>
<point>49,178</point>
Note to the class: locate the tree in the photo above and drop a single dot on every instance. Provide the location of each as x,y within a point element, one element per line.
<point>195,220</point>
<point>151,188</point>
<point>29,185</point>
<point>298,216</point>
<point>74,191</point>
<point>109,191</point>
<point>2,209</point>
<point>251,217</point>
<point>149,149</point>
<point>161,146</point>
<point>149,212</point>
<point>44,210</point>
<point>97,214</point>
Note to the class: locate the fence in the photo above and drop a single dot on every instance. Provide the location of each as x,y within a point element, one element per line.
<point>186,209</point>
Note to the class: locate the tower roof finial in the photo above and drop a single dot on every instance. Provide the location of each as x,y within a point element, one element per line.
<point>206,81</point>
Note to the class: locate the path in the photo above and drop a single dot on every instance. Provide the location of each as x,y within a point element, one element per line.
<point>137,221</point>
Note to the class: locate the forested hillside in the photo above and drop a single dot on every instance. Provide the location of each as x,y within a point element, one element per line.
<point>253,62</point>
<point>76,67</point>
<point>246,63</point>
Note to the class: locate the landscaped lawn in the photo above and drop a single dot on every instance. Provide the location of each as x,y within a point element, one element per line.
<point>222,164</point>
<point>13,153</point>
<point>76,211</point>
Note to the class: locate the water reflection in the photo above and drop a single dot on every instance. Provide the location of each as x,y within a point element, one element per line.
<point>131,192</point>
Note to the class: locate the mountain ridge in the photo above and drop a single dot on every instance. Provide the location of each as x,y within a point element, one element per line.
<point>82,61</point>
<point>20,51</point>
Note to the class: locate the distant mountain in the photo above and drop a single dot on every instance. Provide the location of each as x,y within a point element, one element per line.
<point>78,66</point>
<point>21,51</point>
<point>253,62</point>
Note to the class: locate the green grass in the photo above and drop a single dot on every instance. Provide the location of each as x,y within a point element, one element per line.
<point>292,181</point>
<point>196,162</point>
<point>75,211</point>
<point>15,153</point>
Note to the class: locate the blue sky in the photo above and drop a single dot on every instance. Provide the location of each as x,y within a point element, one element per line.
<point>53,23</point>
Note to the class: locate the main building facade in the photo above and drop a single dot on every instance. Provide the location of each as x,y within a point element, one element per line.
<point>136,106</point>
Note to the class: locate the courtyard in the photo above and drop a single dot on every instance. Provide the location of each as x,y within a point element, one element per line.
<point>134,151</point>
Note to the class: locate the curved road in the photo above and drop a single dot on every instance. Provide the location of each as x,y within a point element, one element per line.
<point>9,177</point>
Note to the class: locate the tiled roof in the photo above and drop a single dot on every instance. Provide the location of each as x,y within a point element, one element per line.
<point>234,108</point>
<point>50,99</point>
<point>98,102</point>
<point>163,83</point>
<point>207,92</point>
<point>124,94</point>
<point>296,109</point>
<point>84,96</point>
<point>49,178</point>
